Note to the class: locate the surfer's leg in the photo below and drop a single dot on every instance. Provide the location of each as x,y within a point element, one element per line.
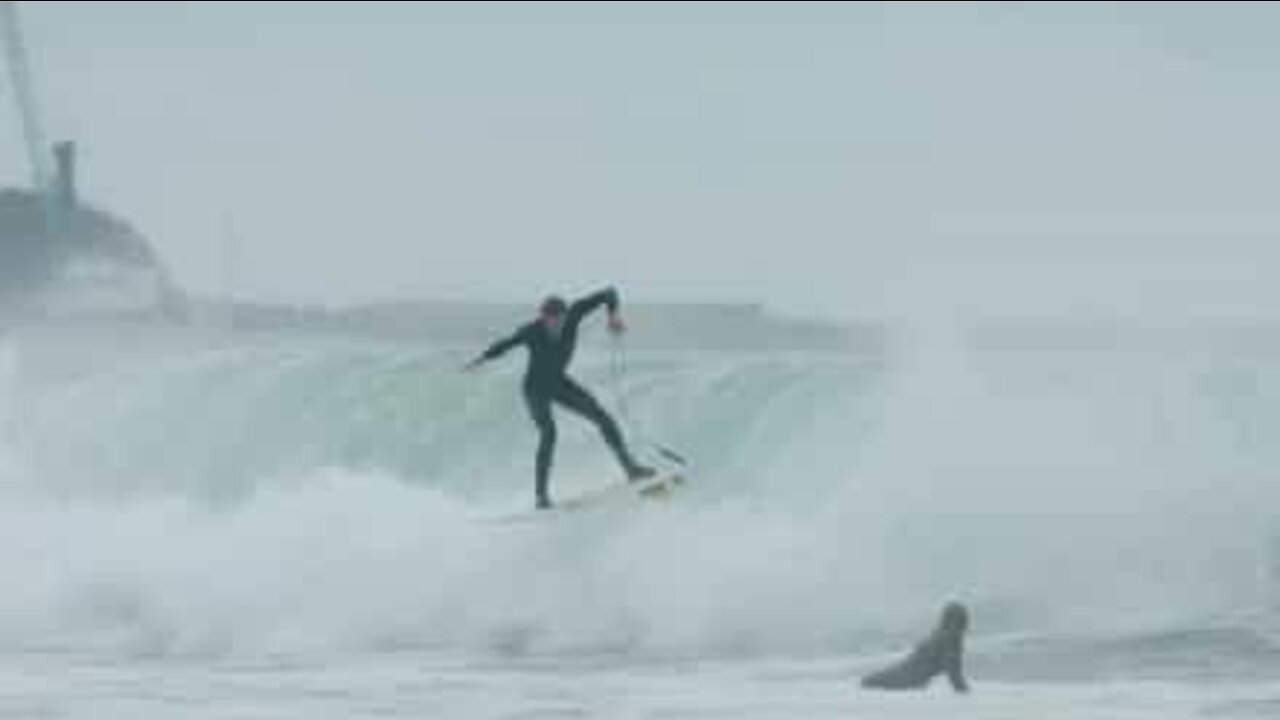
<point>574,397</point>
<point>540,410</point>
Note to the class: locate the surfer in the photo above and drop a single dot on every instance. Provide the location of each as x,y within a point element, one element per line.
<point>551,340</point>
<point>941,652</point>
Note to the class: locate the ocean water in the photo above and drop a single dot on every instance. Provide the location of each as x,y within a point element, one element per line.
<point>301,527</point>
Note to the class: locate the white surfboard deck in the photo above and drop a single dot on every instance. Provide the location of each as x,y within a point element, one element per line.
<point>655,489</point>
<point>659,487</point>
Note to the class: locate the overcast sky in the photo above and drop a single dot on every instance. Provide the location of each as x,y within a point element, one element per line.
<point>853,160</point>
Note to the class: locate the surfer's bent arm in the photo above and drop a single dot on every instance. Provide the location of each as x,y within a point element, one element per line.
<point>589,304</point>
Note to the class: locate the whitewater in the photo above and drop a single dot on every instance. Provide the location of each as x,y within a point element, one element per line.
<point>298,526</point>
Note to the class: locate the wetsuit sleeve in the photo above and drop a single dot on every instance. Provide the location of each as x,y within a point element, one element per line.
<point>502,347</point>
<point>589,304</point>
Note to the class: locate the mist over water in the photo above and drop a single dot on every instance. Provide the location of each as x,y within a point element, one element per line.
<point>1060,214</point>
<point>265,495</point>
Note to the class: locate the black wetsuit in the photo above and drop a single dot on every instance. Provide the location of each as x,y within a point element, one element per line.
<point>546,381</point>
<point>941,653</point>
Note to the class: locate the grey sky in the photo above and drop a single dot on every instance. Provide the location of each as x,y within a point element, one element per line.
<point>852,160</point>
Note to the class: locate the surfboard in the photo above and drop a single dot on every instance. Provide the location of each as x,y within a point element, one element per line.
<point>656,489</point>
<point>659,487</point>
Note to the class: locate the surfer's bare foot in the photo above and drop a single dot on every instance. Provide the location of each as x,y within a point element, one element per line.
<point>544,503</point>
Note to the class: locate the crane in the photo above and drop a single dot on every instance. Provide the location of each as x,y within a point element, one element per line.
<point>33,132</point>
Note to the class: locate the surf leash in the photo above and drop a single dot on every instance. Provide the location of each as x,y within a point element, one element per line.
<point>619,372</point>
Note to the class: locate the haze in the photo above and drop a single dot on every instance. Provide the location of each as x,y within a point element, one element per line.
<point>866,160</point>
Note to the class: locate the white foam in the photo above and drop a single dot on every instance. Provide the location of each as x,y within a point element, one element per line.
<point>188,508</point>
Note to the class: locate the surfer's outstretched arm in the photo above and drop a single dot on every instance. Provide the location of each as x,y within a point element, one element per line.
<point>500,348</point>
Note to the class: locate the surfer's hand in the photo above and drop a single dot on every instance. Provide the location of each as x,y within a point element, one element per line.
<point>473,365</point>
<point>616,325</point>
